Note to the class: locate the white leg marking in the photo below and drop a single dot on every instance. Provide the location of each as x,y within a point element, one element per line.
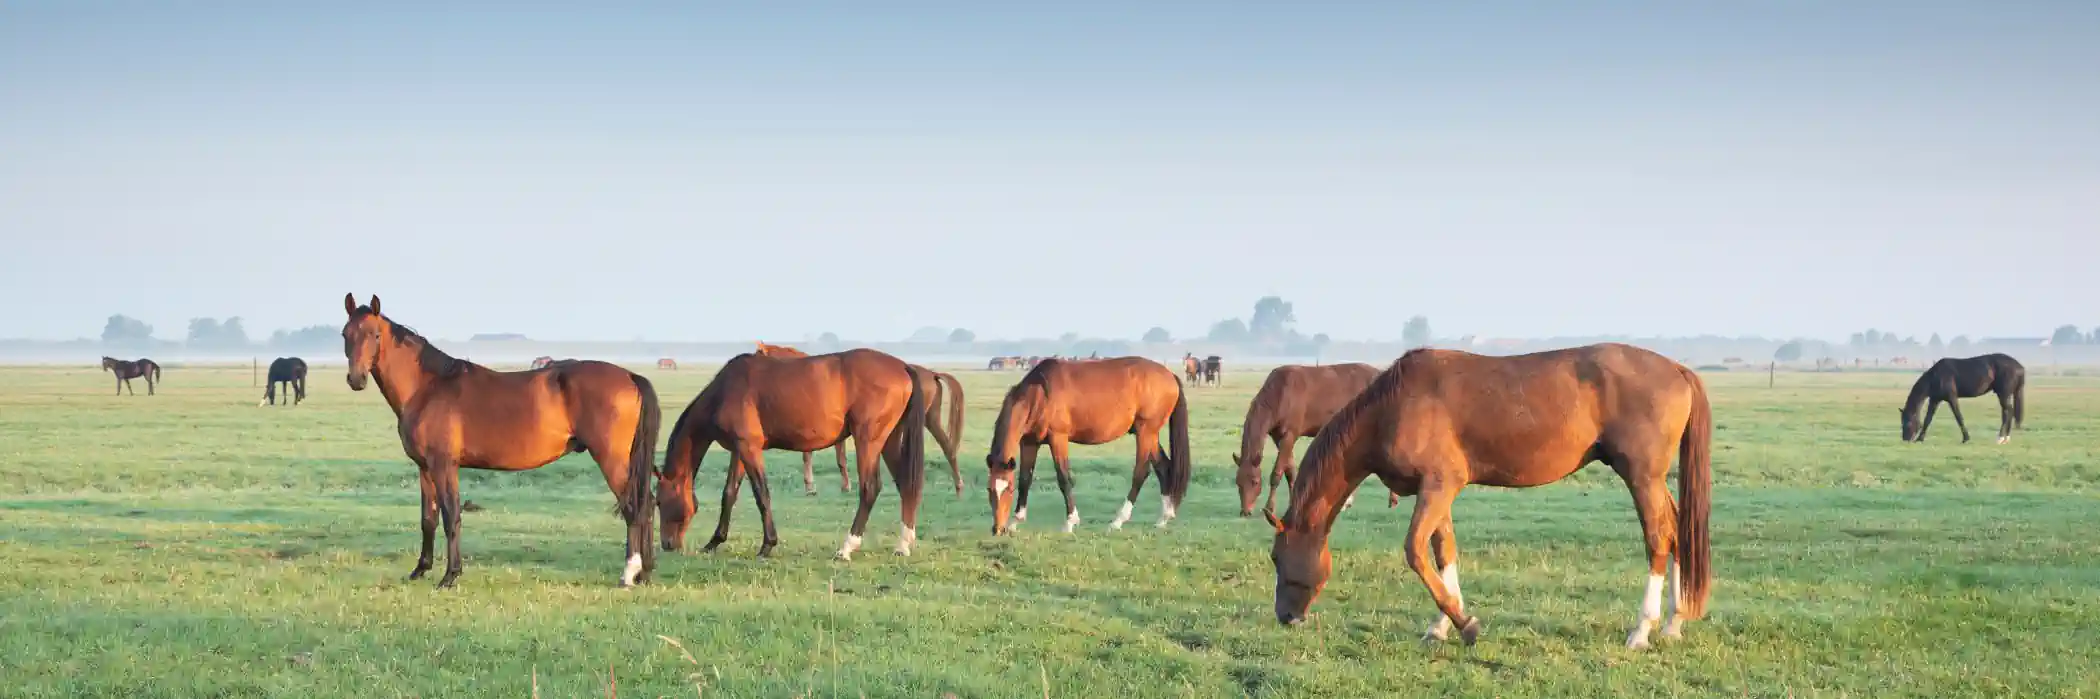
<point>1021,513</point>
<point>1072,519</point>
<point>1440,629</point>
<point>1166,511</point>
<point>1122,515</point>
<point>998,487</point>
<point>2002,440</point>
<point>1651,612</point>
<point>634,567</point>
<point>906,540</point>
<point>852,544</point>
<point>1675,627</point>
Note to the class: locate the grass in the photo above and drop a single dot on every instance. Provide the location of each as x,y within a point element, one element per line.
<point>192,544</point>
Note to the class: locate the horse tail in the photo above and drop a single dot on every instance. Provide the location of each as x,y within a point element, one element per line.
<point>1695,502</point>
<point>912,473</point>
<point>156,370</point>
<point>955,416</point>
<point>2020,401</point>
<point>1177,480</point>
<point>641,457</point>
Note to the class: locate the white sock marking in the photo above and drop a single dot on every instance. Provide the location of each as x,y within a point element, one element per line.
<point>1675,627</point>
<point>998,487</point>
<point>1071,519</point>
<point>1021,513</point>
<point>852,544</point>
<point>1651,612</point>
<point>906,540</point>
<point>1166,510</point>
<point>1122,515</point>
<point>634,567</point>
<point>1440,629</point>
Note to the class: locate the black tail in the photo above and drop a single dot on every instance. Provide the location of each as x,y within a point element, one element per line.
<point>911,474</point>
<point>1177,477</point>
<point>156,371</point>
<point>641,459</point>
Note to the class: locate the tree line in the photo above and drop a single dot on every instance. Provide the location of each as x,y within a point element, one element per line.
<point>216,334</point>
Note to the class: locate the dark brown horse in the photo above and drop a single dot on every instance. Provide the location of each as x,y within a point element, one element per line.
<point>1952,378</point>
<point>455,414</point>
<point>1293,402</point>
<point>799,404</point>
<point>126,371</point>
<point>1439,420</point>
<point>1213,369</point>
<point>290,371</point>
<point>1061,402</point>
<point>948,435</point>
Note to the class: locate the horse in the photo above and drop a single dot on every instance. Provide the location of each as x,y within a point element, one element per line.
<point>948,436</point>
<point>996,364</point>
<point>667,363</point>
<point>1191,370</point>
<point>1952,378</point>
<point>290,371</point>
<point>126,371</point>
<point>1294,401</point>
<point>455,414</point>
<point>1060,402</point>
<point>1213,366</point>
<point>799,404</point>
<point>541,362</point>
<point>1439,420</point>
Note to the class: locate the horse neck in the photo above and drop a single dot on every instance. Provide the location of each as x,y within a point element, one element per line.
<point>1259,420</point>
<point>1016,416</point>
<point>1326,477</point>
<point>1920,392</point>
<point>400,372</point>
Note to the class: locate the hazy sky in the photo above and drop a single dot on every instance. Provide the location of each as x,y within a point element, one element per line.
<point>776,170</point>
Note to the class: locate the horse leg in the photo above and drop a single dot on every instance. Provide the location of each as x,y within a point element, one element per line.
<point>430,523</point>
<point>865,455</point>
<point>1433,511</point>
<point>1138,474</point>
<point>446,474</point>
<point>1444,543</point>
<point>1029,452</point>
<point>2005,420</point>
<point>754,457</point>
<point>613,459</point>
<point>809,473</point>
<point>908,493</point>
<point>732,483</point>
<point>1658,513</point>
<point>1060,455</point>
<point>838,451</point>
<point>1954,406</point>
<point>1284,471</point>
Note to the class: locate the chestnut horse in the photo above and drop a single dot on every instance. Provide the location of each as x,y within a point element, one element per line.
<point>801,404</point>
<point>1439,420</point>
<point>1191,370</point>
<point>126,371</point>
<point>1293,402</point>
<point>455,414</point>
<point>1089,402</point>
<point>1952,378</point>
<point>948,436</point>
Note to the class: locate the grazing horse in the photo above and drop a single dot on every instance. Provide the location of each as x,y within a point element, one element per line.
<point>948,436</point>
<point>455,414</point>
<point>1293,402</point>
<point>801,404</point>
<point>1191,370</point>
<point>126,371</point>
<point>541,362</point>
<point>1060,402</point>
<point>1213,368</point>
<point>667,363</point>
<point>996,364</point>
<point>1439,420</point>
<point>290,371</point>
<point>1952,378</point>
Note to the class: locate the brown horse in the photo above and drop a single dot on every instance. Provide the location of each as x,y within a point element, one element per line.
<point>1439,420</point>
<point>1952,378</point>
<point>1094,402</point>
<point>948,436</point>
<point>1191,370</point>
<point>290,371</point>
<point>126,371</point>
<point>1293,402</point>
<point>1213,369</point>
<point>799,404</point>
<point>454,414</point>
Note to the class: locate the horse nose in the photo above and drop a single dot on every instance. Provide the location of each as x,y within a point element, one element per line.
<point>1288,619</point>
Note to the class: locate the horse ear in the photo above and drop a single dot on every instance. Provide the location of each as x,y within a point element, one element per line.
<point>375,304</point>
<point>1273,521</point>
<point>349,304</point>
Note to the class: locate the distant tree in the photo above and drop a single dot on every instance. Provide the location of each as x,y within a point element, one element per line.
<point>1068,337</point>
<point>232,333</point>
<point>1858,340</point>
<point>928,334</point>
<point>123,330</point>
<point>829,338</point>
<point>1959,344</point>
<point>1874,338</point>
<point>1935,344</point>
<point>1322,339</point>
<point>312,337</point>
<point>204,332</point>
<point>1789,352</point>
<point>1158,336</point>
<point>1272,319</point>
<point>1230,330</point>
<point>2067,335</point>
<point>962,336</point>
<point>1416,332</point>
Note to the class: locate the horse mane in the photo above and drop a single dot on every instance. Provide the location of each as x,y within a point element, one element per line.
<point>1339,433</point>
<point>432,360</point>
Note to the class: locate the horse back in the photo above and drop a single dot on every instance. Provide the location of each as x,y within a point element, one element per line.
<point>1100,400</point>
<point>805,403</point>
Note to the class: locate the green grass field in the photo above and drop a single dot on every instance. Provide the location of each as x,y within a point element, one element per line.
<point>192,544</point>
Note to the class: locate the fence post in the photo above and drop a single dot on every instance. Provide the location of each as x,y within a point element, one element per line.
<point>254,371</point>
<point>1772,375</point>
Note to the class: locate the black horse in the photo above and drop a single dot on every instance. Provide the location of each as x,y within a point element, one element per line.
<point>290,371</point>
<point>1212,367</point>
<point>126,371</point>
<point>1951,378</point>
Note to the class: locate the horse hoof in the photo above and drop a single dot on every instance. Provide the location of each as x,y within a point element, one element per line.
<point>1471,631</point>
<point>1636,643</point>
<point>450,579</point>
<point>845,555</point>
<point>417,574</point>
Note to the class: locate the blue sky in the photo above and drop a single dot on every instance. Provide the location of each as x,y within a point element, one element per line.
<point>776,170</point>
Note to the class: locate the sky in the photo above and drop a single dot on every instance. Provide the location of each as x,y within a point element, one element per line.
<point>728,171</point>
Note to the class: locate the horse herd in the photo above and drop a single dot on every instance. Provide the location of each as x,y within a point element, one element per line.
<point>1429,425</point>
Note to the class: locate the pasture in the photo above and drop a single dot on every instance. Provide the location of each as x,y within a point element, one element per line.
<point>193,544</point>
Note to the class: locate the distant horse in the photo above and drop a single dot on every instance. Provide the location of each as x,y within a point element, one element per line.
<point>126,371</point>
<point>666,363</point>
<point>996,364</point>
<point>1095,402</point>
<point>799,404</point>
<point>1439,420</point>
<point>542,362</point>
<point>1293,402</point>
<point>290,371</point>
<point>455,414</point>
<point>948,436</point>
<point>1191,370</point>
<point>1213,367</point>
<point>1952,378</point>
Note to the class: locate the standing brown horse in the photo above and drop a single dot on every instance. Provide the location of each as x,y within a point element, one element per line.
<point>1191,370</point>
<point>126,371</point>
<point>455,414</point>
<point>1093,402</point>
<point>799,404</point>
<point>948,436</point>
<point>1439,420</point>
<point>1293,402</point>
<point>1952,378</point>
